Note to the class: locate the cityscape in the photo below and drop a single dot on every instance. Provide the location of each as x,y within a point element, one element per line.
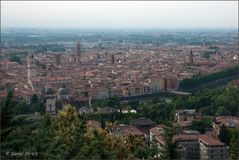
<point>98,91</point>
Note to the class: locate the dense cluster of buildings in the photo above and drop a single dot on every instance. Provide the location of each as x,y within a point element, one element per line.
<point>98,74</point>
<point>78,78</point>
<point>190,144</point>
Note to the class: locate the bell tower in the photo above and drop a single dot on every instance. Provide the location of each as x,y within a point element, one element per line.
<point>78,53</point>
<point>191,58</point>
<point>31,68</point>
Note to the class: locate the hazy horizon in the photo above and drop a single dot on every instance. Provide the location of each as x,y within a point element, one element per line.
<point>120,14</point>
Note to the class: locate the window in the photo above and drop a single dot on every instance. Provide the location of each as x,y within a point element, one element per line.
<point>221,156</point>
<point>221,151</point>
<point>211,156</point>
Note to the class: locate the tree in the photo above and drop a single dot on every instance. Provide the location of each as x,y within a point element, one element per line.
<point>102,121</point>
<point>77,140</point>
<point>7,109</point>
<point>15,58</point>
<point>113,102</point>
<point>169,149</point>
<point>233,151</point>
<point>23,108</point>
<point>68,129</point>
<point>36,105</point>
<point>66,123</point>
<point>134,142</point>
<point>150,151</point>
<point>201,125</point>
<point>66,137</point>
<point>112,146</point>
<point>14,136</point>
<point>44,137</point>
<point>96,149</point>
<point>144,151</point>
<point>223,135</point>
<point>17,137</point>
<point>220,111</point>
<point>34,99</point>
<point>218,101</point>
<point>98,103</point>
<point>196,82</point>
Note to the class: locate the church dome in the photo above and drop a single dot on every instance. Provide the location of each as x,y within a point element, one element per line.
<point>63,91</point>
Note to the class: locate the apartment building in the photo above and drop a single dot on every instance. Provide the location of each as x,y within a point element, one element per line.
<point>193,146</point>
<point>226,121</point>
<point>187,146</point>
<point>184,118</point>
<point>212,149</point>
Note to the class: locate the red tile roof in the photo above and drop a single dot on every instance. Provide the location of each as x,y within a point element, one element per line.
<point>210,140</point>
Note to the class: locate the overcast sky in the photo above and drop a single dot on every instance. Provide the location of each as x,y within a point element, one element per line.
<point>153,14</point>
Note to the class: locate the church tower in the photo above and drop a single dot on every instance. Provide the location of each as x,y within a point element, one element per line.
<point>112,58</point>
<point>78,53</point>
<point>31,68</point>
<point>191,58</point>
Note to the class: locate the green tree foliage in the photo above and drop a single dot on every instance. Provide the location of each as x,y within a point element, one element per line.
<point>44,139</point>
<point>168,150</point>
<point>226,134</point>
<point>113,102</point>
<point>53,48</point>
<point>68,129</point>
<point>63,137</point>
<point>149,151</point>
<point>216,102</point>
<point>15,137</point>
<point>23,108</point>
<point>201,125</point>
<point>65,128</point>
<point>15,58</point>
<point>7,110</point>
<point>66,136</point>
<point>34,99</point>
<point>223,135</point>
<point>195,82</point>
<point>233,147</point>
<point>230,137</point>
<point>157,110</point>
<point>66,123</point>
<point>96,149</point>
<point>36,105</point>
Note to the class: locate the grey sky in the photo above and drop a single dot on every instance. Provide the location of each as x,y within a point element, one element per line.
<point>153,14</point>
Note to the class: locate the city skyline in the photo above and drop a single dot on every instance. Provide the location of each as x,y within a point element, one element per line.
<point>120,14</point>
<point>119,80</point>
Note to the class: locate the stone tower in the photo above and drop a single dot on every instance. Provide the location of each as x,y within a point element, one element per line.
<point>78,53</point>
<point>191,58</point>
<point>112,58</point>
<point>31,68</point>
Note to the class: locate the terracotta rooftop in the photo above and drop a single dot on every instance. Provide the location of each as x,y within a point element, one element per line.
<point>142,121</point>
<point>128,130</point>
<point>94,124</point>
<point>183,137</point>
<point>207,139</point>
<point>210,140</point>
